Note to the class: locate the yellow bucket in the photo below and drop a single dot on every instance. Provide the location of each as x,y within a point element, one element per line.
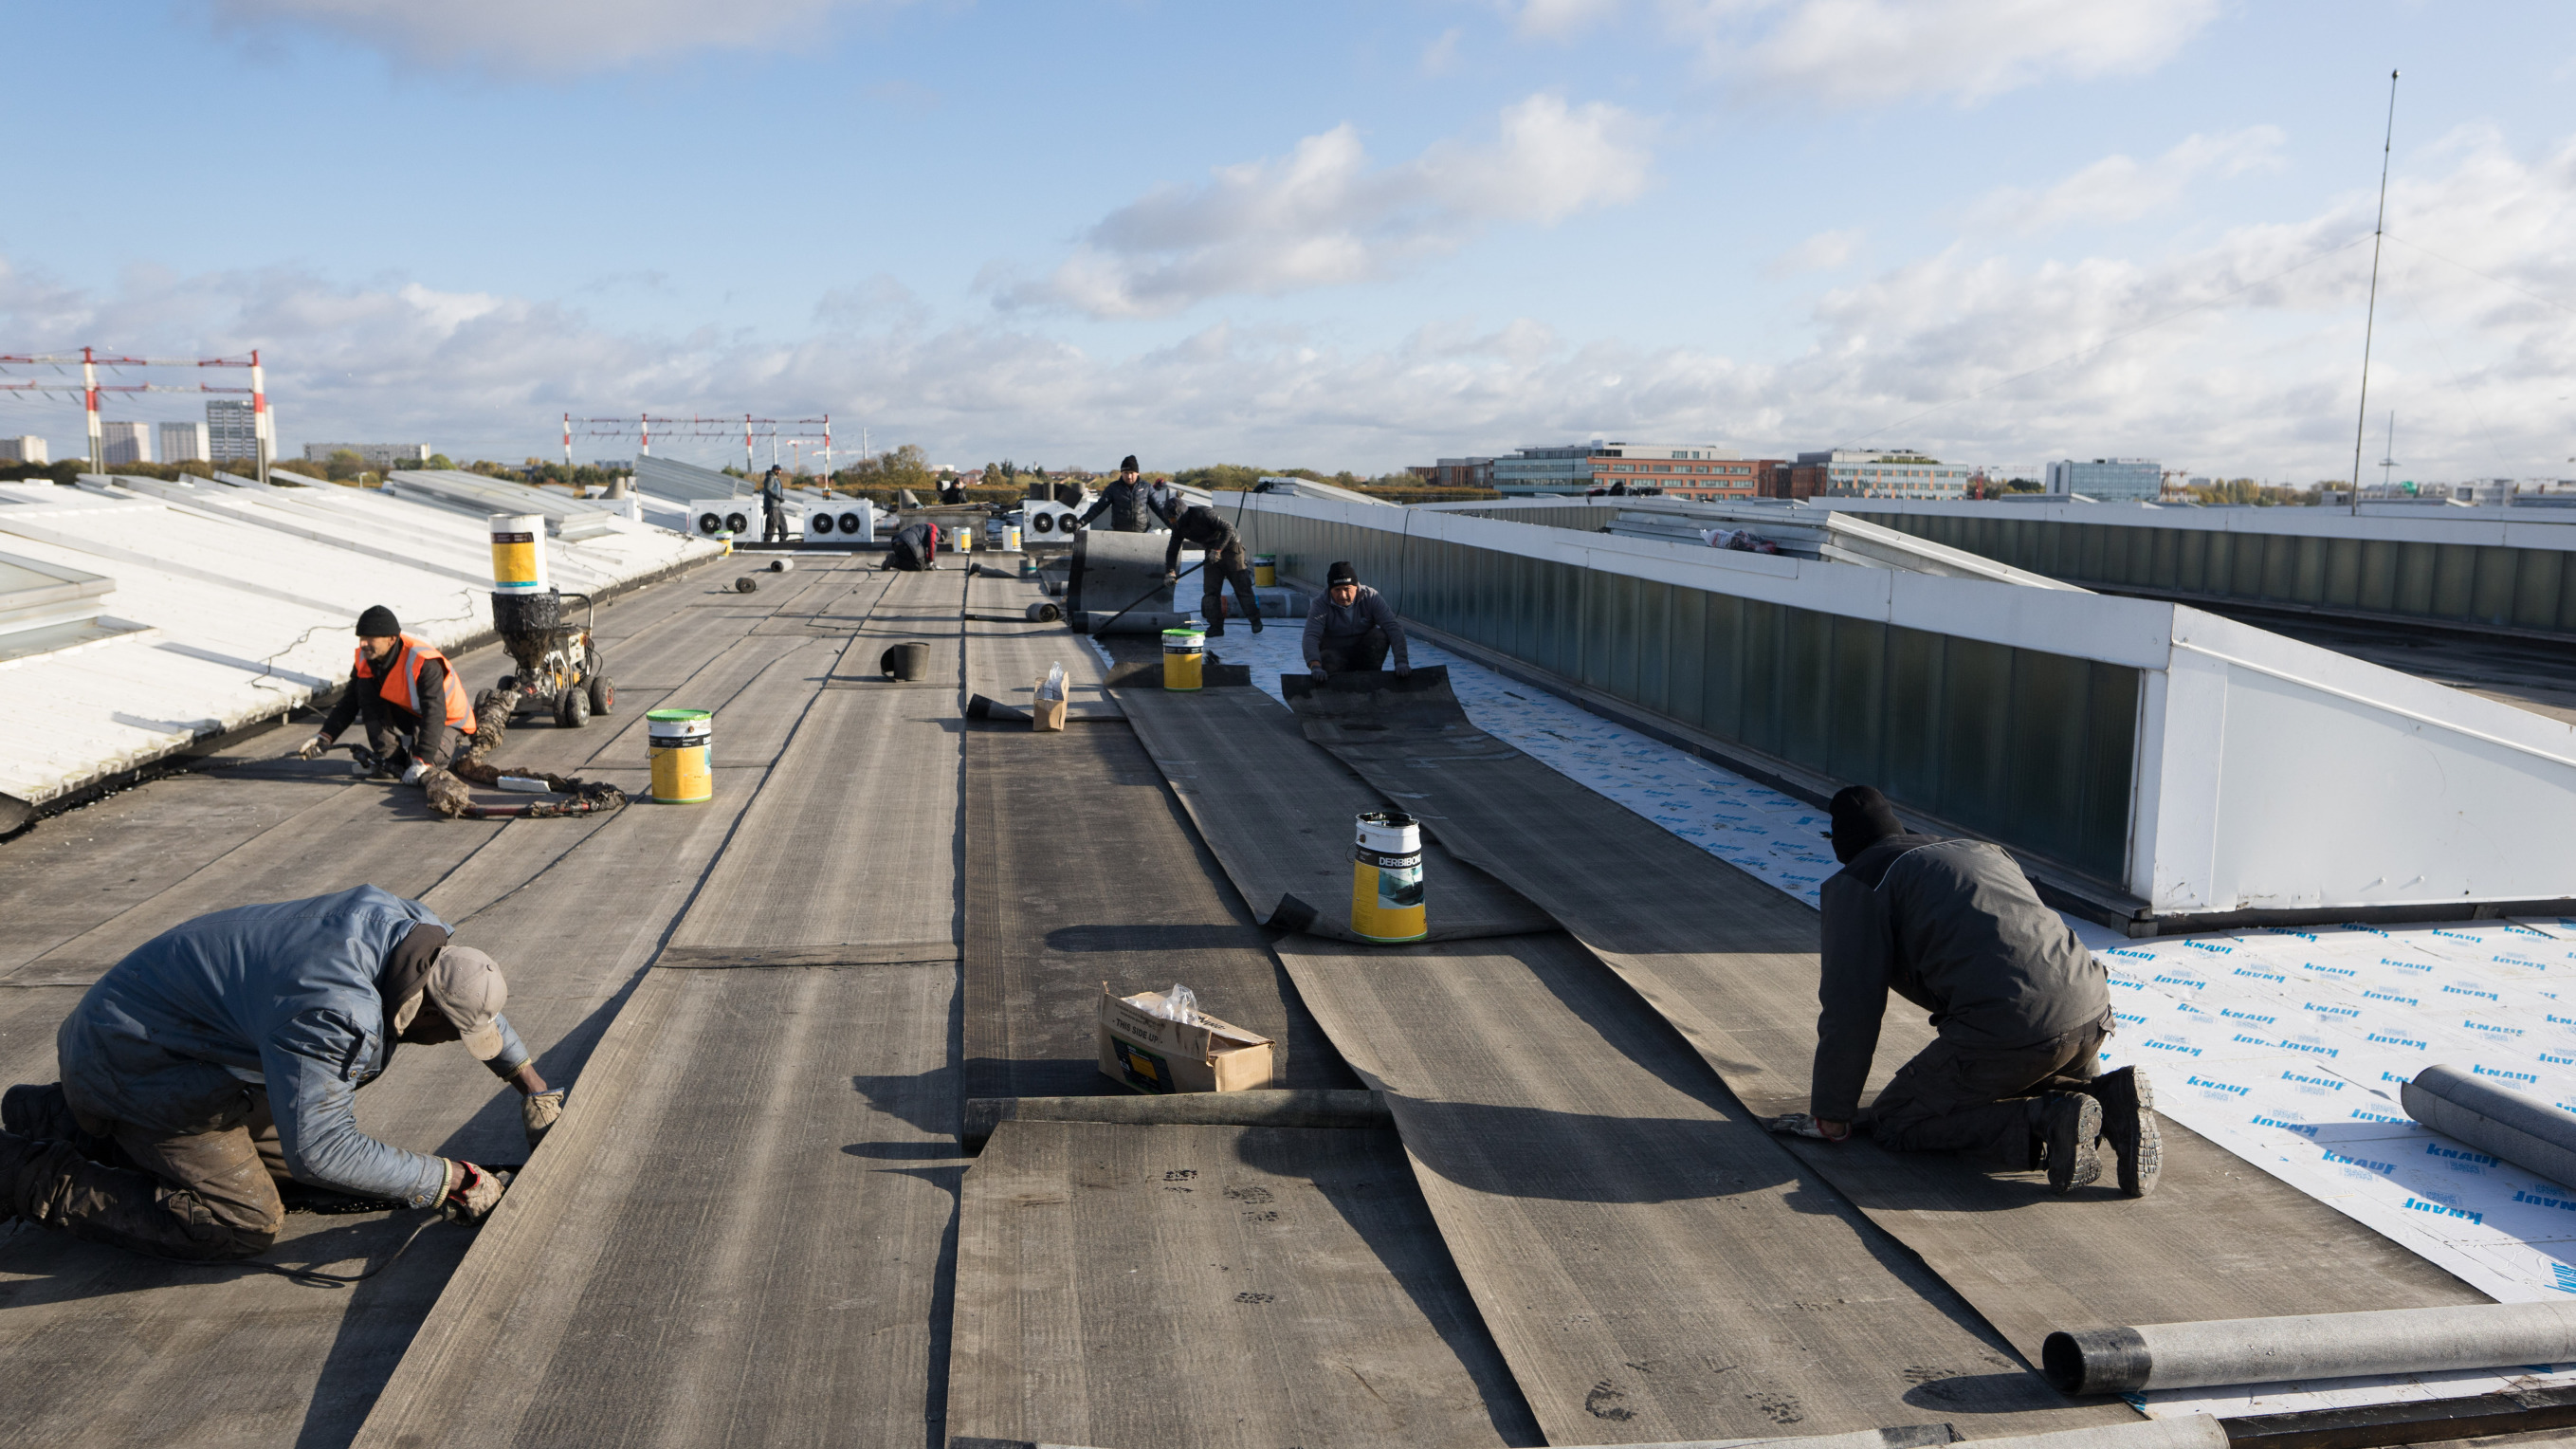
<point>1386,878</point>
<point>1265,570</point>
<point>519,553</point>
<point>681,741</point>
<point>1011,543</point>
<point>1184,658</point>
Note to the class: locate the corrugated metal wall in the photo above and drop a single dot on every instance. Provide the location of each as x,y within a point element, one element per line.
<point>2035,750</point>
<point>2520,588</point>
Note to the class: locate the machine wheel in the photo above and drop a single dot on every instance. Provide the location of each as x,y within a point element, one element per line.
<point>603,694</point>
<point>572,709</point>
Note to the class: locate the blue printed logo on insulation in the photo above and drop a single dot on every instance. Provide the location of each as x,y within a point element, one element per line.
<point>2228,1087</point>
<point>2453,1154</point>
<point>2329,970</point>
<point>2184,981</point>
<point>2492,1030</point>
<point>2340,1160</point>
<point>2472,991</point>
<point>2417,1204</point>
<point>2476,1070</point>
<point>2392,996</point>
<point>2321,1009</point>
<point>2536,1200</point>
<point>2328,1083</point>
<point>2262,975</point>
<point>2206,946</point>
<point>2166,1046</point>
<point>2403,965</point>
<point>2245,1015</point>
<point>2302,1128</point>
<point>2404,1041</point>
<point>2365,1115</point>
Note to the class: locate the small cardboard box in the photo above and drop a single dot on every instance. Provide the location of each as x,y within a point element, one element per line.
<point>1045,713</point>
<point>1150,1054</point>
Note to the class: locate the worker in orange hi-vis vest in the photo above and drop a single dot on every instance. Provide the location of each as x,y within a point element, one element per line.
<point>415,709</point>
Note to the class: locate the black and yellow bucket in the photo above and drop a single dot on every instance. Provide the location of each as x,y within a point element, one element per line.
<point>681,741</point>
<point>1184,658</point>
<point>1386,878</point>
<point>1265,570</point>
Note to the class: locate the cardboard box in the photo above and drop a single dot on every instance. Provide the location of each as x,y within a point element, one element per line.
<point>1044,713</point>
<point>1150,1054</point>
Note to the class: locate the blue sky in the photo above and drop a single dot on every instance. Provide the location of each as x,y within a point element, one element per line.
<point>1340,235</point>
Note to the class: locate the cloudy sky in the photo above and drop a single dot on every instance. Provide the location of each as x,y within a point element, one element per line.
<point>1344,235</point>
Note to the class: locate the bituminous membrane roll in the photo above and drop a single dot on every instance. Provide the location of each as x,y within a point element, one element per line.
<point>2317,1346</point>
<point>2526,1131</point>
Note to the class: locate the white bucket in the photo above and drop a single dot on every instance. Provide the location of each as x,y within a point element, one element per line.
<point>519,553</point>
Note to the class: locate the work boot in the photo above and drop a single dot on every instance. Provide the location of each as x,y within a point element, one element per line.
<point>1216,630</point>
<point>2069,1124</point>
<point>1256,623</point>
<point>2129,1125</point>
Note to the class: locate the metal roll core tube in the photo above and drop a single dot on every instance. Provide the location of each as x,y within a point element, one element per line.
<point>2316,1346</point>
<point>2530,1133</point>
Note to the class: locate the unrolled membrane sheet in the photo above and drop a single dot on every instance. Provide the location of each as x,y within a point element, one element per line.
<point>1732,964</point>
<point>1654,1266</point>
<point>1279,814</point>
<point>1006,659</point>
<point>1201,1285</point>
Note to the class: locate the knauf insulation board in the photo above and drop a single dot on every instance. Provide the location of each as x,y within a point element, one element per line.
<point>1654,1266</point>
<point>1160,1287</point>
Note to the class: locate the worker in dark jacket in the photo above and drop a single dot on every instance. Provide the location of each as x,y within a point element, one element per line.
<point>1124,501</point>
<point>915,547</point>
<point>773,505</point>
<point>225,1054</point>
<point>1350,627</point>
<point>413,706</point>
<point>2021,1006</point>
<point>1202,528</point>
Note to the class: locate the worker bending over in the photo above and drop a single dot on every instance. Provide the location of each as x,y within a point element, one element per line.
<point>407,695</point>
<point>1225,562</point>
<point>2021,1007</point>
<point>914,547</point>
<point>1124,501</point>
<point>1350,627</point>
<point>225,1055</point>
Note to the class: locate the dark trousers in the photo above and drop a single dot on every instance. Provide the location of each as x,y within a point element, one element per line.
<point>773,522</point>
<point>1365,651</point>
<point>1982,1102</point>
<point>902,555</point>
<point>207,1195</point>
<point>1228,566</point>
<point>393,732</point>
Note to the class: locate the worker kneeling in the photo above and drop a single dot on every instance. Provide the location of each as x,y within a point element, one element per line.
<point>2021,1006</point>
<point>225,1055</point>
<point>407,695</point>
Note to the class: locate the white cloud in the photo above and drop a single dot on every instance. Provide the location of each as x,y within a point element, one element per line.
<point>1822,252</point>
<point>521,36</point>
<point>1555,19</point>
<point>1865,52</point>
<point>2237,357</point>
<point>2117,188</point>
<point>1323,215</point>
<point>1441,56</point>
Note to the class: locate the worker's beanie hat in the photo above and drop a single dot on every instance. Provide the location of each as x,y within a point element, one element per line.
<point>379,622</point>
<point>1341,573</point>
<point>1862,817</point>
<point>1127,464</point>
<point>466,987</point>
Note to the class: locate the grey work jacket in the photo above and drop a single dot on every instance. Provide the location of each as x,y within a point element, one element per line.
<point>1954,927</point>
<point>1338,625</point>
<point>281,996</point>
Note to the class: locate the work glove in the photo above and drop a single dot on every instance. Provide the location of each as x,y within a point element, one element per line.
<point>538,1114</point>
<point>1800,1124</point>
<point>312,749</point>
<point>471,1193</point>
<point>1403,671</point>
<point>1317,672</point>
<point>1171,576</point>
<point>412,776</point>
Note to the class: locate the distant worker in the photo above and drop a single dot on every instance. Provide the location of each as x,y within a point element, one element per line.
<point>2021,1006</point>
<point>1350,627</point>
<point>773,506</point>
<point>410,700</point>
<point>1124,501</point>
<point>1203,529</point>
<point>951,491</point>
<point>224,1056</point>
<point>914,547</point>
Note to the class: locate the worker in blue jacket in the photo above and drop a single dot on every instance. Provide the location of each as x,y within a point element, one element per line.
<point>225,1055</point>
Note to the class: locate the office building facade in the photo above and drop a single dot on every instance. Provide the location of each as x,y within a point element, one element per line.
<point>25,449</point>
<point>1582,467</point>
<point>123,443</point>
<point>1857,473</point>
<point>374,455</point>
<point>232,432</point>
<point>183,443</point>
<point>2107,480</point>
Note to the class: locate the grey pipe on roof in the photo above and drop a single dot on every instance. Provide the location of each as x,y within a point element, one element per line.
<point>2314,1346</point>
<point>2529,1133</point>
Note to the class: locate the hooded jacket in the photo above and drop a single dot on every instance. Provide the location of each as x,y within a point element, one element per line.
<point>1954,927</point>
<point>288,996</point>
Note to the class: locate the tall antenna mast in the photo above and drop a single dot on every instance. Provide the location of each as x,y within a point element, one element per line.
<point>2371,318</point>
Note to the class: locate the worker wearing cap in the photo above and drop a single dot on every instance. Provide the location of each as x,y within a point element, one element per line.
<point>2021,1006</point>
<point>773,505</point>
<point>1350,627</point>
<point>1223,559</point>
<point>225,1055</point>
<point>408,697</point>
<point>1124,501</point>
